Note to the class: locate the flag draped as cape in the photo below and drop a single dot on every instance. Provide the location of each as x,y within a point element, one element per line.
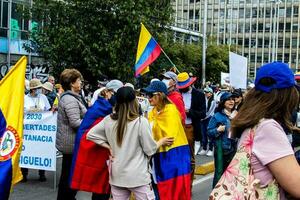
<point>172,164</point>
<point>89,170</point>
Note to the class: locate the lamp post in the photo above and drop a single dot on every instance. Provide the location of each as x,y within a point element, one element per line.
<point>275,17</point>
<point>204,44</point>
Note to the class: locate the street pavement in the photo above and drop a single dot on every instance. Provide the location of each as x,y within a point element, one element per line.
<point>35,190</point>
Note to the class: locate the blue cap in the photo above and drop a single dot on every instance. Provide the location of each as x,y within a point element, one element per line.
<point>156,86</point>
<point>225,96</point>
<point>279,72</point>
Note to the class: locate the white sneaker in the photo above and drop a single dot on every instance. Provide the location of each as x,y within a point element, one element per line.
<point>197,147</point>
<point>202,152</point>
<point>209,153</point>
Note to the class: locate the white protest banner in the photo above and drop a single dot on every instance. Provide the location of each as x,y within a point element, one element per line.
<point>225,78</point>
<point>39,135</point>
<point>238,71</point>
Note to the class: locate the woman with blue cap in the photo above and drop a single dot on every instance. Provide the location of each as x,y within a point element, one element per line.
<point>218,129</point>
<point>260,125</point>
<point>171,164</point>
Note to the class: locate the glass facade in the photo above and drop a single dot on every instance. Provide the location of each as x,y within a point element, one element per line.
<point>14,30</point>
<point>261,30</point>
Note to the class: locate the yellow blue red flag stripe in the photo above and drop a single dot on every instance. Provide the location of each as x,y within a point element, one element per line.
<point>11,126</point>
<point>171,164</point>
<point>147,52</point>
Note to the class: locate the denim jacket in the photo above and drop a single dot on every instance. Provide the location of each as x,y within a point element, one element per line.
<point>220,118</point>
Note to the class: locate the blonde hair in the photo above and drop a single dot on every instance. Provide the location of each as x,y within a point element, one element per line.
<point>163,101</point>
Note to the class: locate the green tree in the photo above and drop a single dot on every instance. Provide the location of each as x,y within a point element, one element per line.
<point>188,57</point>
<point>96,37</point>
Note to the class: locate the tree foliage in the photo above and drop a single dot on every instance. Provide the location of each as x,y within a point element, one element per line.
<point>100,38</point>
<point>188,58</point>
<point>97,37</point>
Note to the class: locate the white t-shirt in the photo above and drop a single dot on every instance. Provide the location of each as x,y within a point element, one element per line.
<point>38,103</point>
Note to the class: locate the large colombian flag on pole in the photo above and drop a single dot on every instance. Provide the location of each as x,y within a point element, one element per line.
<point>11,126</point>
<point>147,52</point>
<point>171,164</point>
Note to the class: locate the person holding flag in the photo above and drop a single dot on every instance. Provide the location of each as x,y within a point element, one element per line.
<point>12,89</point>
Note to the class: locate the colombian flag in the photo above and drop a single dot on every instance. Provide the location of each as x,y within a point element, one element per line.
<point>89,170</point>
<point>147,52</point>
<point>171,164</point>
<point>11,126</point>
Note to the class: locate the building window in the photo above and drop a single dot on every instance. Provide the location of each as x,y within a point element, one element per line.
<point>222,14</point>
<point>260,27</point>
<point>267,42</point>
<point>241,13</point>
<point>191,13</point>
<point>240,41</point>
<point>267,27</point>
<point>268,12</point>
<point>254,12</point>
<point>288,12</point>
<point>247,28</point>
<point>296,11</point>
<point>294,42</point>
<point>281,12</point>
<point>260,41</point>
<point>248,12</point>
<point>295,26</point>
<point>281,27</point>
<point>235,13</point>
<point>5,14</point>
<point>288,26</point>
<point>280,43</point>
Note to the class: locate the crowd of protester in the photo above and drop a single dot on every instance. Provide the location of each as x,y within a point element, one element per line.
<point>152,134</point>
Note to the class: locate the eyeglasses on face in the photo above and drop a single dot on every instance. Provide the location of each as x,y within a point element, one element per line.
<point>150,95</point>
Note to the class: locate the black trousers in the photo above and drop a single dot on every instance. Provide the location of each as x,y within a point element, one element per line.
<point>64,190</point>
<point>25,172</point>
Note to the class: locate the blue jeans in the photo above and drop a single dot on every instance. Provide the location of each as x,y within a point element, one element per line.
<point>205,140</point>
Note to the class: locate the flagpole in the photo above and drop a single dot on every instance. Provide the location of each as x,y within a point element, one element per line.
<point>173,65</point>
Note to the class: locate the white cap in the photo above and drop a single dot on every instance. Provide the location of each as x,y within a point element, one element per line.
<point>114,85</point>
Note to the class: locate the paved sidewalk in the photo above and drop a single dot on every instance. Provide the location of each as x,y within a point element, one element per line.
<point>35,190</point>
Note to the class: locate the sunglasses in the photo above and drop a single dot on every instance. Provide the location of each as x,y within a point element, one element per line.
<point>150,95</point>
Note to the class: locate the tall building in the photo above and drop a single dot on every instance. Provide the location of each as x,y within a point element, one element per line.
<point>14,37</point>
<point>261,30</point>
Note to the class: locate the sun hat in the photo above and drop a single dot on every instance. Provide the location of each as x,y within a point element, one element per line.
<point>208,90</point>
<point>48,86</point>
<point>184,80</point>
<point>156,86</point>
<point>225,96</point>
<point>125,95</point>
<point>114,85</point>
<point>35,83</point>
<point>171,75</point>
<point>279,72</point>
